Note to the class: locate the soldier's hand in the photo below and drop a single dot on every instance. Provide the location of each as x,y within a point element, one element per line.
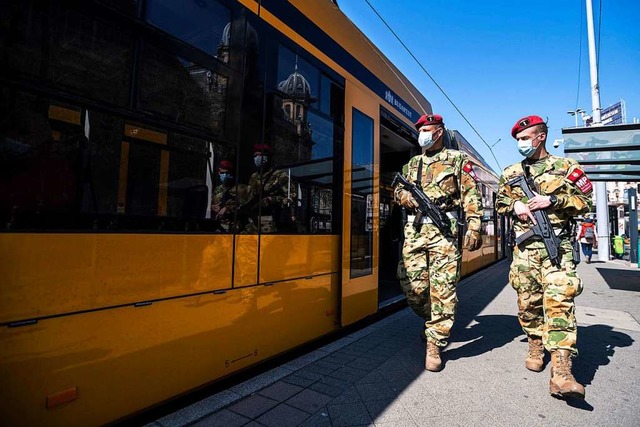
<point>523,212</point>
<point>538,202</point>
<point>472,240</point>
<point>407,200</point>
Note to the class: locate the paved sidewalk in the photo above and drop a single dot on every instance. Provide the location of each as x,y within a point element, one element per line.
<point>376,376</point>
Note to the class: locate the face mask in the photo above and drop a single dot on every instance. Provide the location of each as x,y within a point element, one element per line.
<point>425,139</point>
<point>225,177</point>
<point>526,148</point>
<point>260,160</point>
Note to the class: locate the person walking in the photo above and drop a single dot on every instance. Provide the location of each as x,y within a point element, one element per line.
<point>431,258</point>
<point>546,291</point>
<point>588,238</point>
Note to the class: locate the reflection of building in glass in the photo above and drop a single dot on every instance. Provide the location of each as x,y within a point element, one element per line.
<point>223,47</point>
<point>296,100</point>
<point>214,91</point>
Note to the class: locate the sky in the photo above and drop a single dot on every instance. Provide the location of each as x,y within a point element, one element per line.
<point>500,60</point>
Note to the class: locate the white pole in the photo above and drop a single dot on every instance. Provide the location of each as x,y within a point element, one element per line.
<point>602,201</point>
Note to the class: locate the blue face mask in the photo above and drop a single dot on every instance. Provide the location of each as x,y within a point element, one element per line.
<point>526,148</point>
<point>425,139</point>
<point>225,177</point>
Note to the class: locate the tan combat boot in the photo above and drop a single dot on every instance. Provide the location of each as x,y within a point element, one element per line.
<point>562,383</point>
<point>535,356</point>
<point>433,362</point>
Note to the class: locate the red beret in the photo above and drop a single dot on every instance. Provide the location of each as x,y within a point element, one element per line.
<point>429,119</point>
<point>226,165</point>
<point>524,123</point>
<point>259,148</point>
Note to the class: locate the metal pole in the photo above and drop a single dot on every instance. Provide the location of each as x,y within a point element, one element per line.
<point>602,202</point>
<point>633,225</point>
<point>576,116</point>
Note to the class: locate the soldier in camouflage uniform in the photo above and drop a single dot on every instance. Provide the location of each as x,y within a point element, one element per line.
<point>271,195</point>
<point>430,260</point>
<point>546,293</point>
<point>226,196</point>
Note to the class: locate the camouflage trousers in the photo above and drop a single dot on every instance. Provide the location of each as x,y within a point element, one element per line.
<point>428,273</point>
<point>545,295</point>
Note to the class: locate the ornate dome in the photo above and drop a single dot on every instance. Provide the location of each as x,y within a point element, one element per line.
<point>296,86</point>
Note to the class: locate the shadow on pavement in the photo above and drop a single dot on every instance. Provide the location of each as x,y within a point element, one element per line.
<point>596,346</point>
<point>490,332</point>
<point>624,280</point>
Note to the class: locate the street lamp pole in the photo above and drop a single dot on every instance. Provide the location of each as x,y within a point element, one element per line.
<point>575,114</point>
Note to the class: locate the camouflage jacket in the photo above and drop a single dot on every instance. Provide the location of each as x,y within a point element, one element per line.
<point>560,176</point>
<point>449,180</point>
<point>229,198</point>
<point>278,187</point>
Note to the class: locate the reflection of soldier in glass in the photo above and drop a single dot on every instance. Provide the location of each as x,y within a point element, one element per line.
<point>271,194</point>
<point>226,196</point>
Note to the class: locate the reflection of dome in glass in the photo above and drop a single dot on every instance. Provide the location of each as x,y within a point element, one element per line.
<point>296,86</point>
<point>226,35</point>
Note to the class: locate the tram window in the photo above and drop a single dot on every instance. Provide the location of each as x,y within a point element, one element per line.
<point>331,99</point>
<point>362,195</point>
<point>182,91</point>
<point>89,56</point>
<point>130,7</point>
<point>102,166</point>
<point>202,24</point>
<point>188,192</point>
<point>21,37</point>
<point>143,180</point>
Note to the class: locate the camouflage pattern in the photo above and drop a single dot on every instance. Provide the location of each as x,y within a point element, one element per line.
<point>430,264</point>
<point>546,293</point>
<point>551,176</point>
<point>225,199</point>
<point>276,200</point>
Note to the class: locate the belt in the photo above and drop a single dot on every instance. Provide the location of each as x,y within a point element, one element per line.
<point>427,220</point>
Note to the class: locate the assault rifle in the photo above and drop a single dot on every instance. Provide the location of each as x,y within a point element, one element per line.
<point>425,206</point>
<point>542,228</point>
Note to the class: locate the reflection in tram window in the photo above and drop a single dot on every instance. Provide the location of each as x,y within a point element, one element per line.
<point>202,24</point>
<point>182,91</point>
<point>88,56</point>
<point>21,37</point>
<point>81,54</point>
<point>304,139</point>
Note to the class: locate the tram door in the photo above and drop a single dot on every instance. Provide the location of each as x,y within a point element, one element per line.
<point>397,145</point>
<point>359,290</point>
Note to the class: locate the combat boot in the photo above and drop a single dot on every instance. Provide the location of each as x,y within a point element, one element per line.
<point>535,356</point>
<point>562,383</point>
<point>433,362</point>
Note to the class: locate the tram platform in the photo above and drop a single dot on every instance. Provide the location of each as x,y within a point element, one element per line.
<point>376,375</point>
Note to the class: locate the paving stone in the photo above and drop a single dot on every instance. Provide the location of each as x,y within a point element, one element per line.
<point>224,418</point>
<point>319,419</point>
<point>299,381</point>
<point>280,391</point>
<point>283,416</point>
<point>349,414</point>
<point>309,401</point>
<point>253,406</point>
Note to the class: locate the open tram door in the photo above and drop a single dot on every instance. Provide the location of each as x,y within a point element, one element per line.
<point>398,143</point>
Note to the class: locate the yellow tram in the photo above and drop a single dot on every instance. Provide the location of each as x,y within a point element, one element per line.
<point>120,287</point>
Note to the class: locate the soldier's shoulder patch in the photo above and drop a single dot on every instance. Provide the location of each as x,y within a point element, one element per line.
<point>580,180</point>
<point>468,168</point>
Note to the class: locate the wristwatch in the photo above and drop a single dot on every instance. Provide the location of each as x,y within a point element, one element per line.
<point>553,199</point>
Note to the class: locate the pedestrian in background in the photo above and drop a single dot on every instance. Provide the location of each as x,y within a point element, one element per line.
<point>432,259</point>
<point>588,238</point>
<point>546,292</point>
